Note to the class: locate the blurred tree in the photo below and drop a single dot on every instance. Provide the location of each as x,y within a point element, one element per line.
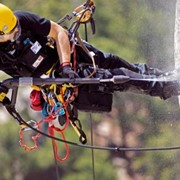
<point>139,31</point>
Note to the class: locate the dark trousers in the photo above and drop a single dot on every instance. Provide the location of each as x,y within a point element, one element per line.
<point>102,59</point>
<point>119,66</point>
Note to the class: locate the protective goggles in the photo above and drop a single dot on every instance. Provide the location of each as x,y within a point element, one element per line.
<point>13,35</point>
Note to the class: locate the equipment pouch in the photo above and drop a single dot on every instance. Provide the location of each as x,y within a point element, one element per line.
<point>93,101</point>
<point>36,100</point>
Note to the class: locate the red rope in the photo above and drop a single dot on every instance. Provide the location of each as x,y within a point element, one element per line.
<point>51,129</point>
<point>24,146</point>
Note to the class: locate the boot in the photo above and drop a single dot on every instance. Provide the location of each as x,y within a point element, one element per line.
<point>168,87</point>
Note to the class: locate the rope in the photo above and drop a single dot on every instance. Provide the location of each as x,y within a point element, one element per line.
<point>16,116</point>
<point>51,131</point>
<point>116,149</point>
<point>56,164</point>
<point>92,150</point>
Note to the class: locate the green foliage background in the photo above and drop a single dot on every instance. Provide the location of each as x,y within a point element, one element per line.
<point>139,31</point>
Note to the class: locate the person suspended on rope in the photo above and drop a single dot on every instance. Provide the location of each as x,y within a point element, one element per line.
<point>31,46</point>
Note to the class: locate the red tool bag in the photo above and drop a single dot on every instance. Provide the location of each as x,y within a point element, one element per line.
<point>36,100</point>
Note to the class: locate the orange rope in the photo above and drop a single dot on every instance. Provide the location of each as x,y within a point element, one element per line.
<point>51,130</point>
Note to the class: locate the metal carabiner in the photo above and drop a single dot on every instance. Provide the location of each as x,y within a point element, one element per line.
<point>25,127</point>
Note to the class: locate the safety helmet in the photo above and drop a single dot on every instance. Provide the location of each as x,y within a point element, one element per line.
<point>8,20</point>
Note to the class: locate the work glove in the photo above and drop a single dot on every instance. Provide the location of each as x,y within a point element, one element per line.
<point>68,72</point>
<point>3,93</point>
